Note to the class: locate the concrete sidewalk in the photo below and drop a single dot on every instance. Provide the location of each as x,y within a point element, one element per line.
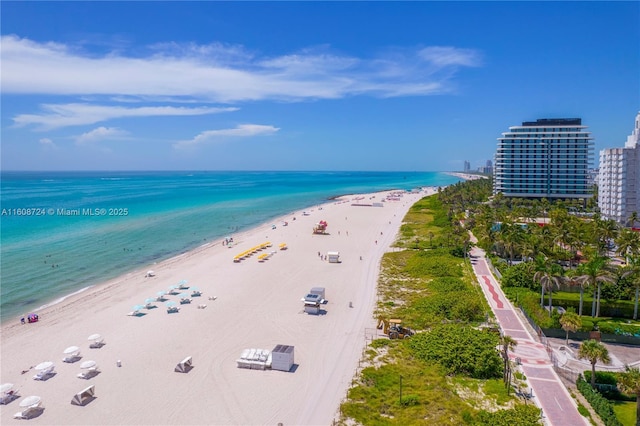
<point>549,393</point>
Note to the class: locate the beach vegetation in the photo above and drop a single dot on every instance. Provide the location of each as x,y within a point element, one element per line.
<point>450,372</point>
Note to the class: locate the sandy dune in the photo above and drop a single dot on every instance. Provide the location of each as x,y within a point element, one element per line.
<point>257,306</point>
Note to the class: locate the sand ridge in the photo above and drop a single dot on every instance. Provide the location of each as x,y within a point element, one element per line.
<point>257,305</point>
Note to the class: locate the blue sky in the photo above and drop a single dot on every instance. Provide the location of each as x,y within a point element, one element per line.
<point>305,85</point>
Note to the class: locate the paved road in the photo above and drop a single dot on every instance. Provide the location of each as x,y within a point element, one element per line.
<point>549,393</point>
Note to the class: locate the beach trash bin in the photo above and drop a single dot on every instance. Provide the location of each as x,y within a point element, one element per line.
<point>119,363</point>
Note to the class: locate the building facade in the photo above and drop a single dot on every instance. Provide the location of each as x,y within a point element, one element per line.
<point>619,179</point>
<point>547,158</point>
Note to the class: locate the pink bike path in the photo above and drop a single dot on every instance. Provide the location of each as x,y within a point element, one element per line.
<point>549,393</point>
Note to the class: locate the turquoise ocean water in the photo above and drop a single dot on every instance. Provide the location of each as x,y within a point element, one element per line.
<point>62,232</point>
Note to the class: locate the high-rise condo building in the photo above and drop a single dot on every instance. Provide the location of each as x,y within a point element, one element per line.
<point>547,158</point>
<point>619,179</point>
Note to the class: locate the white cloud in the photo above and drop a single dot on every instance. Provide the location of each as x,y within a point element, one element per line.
<point>220,73</point>
<point>242,130</point>
<point>443,56</point>
<point>99,134</point>
<point>63,115</point>
<point>48,144</point>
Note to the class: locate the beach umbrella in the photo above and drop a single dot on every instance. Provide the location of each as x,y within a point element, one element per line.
<point>30,401</point>
<point>183,282</point>
<point>183,295</point>
<point>170,303</point>
<point>6,387</point>
<point>194,288</point>
<point>137,307</point>
<point>161,293</point>
<point>43,365</point>
<point>95,337</point>
<point>149,300</point>
<point>87,364</point>
<point>71,350</point>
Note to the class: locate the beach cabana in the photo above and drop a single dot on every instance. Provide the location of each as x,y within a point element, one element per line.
<point>32,407</point>
<point>184,366</point>
<point>172,307</point>
<point>44,370</point>
<point>7,393</point>
<point>89,370</point>
<point>136,310</point>
<point>150,274</point>
<point>71,354</point>
<point>85,396</point>
<point>97,341</point>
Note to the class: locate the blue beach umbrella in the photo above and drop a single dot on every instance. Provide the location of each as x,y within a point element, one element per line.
<point>183,295</point>
<point>137,307</point>
<point>149,300</point>
<point>170,303</point>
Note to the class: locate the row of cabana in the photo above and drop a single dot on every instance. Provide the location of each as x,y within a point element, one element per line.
<point>247,253</point>
<point>171,305</point>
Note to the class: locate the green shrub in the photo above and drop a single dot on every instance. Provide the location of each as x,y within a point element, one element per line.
<point>519,275</point>
<point>460,350</point>
<point>599,403</point>
<point>521,415</point>
<point>448,284</point>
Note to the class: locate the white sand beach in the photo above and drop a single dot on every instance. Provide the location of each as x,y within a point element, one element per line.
<point>257,305</point>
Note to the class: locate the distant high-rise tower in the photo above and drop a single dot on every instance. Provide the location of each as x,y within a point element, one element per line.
<point>619,179</point>
<point>547,158</point>
<point>467,166</point>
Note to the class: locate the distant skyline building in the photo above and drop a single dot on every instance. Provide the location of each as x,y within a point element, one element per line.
<point>547,158</point>
<point>467,166</point>
<point>619,179</point>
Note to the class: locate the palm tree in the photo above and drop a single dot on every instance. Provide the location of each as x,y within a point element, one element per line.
<point>508,343</point>
<point>571,322</point>
<point>594,351</point>
<point>593,273</point>
<point>572,279</point>
<point>632,271</point>
<point>628,243</point>
<point>549,275</point>
<point>633,219</point>
<point>629,382</point>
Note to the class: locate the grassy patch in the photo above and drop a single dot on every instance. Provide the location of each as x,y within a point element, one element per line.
<point>625,412</point>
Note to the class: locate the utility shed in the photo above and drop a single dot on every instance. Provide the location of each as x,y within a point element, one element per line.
<point>333,256</point>
<point>282,358</point>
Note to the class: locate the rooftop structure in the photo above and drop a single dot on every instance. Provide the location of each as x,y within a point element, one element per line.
<point>547,158</point>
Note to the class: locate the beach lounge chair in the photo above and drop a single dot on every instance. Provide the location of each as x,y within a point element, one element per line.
<point>173,309</point>
<point>85,396</point>
<point>7,397</point>
<point>196,293</point>
<point>72,358</point>
<point>44,374</point>
<point>88,373</point>
<point>97,344</point>
<point>185,301</point>
<point>184,366</point>
<point>28,413</point>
